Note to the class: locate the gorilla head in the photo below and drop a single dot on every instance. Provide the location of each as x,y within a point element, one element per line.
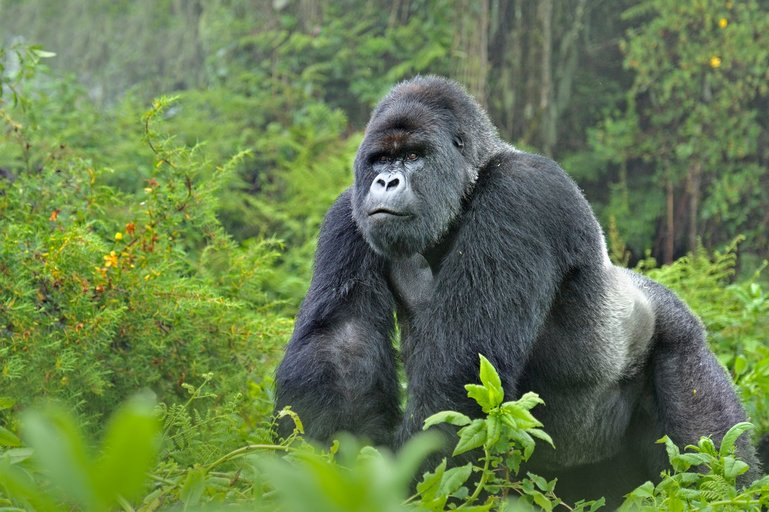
<point>419,159</point>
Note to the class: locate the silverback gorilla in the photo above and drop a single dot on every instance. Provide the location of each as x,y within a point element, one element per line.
<point>481,248</point>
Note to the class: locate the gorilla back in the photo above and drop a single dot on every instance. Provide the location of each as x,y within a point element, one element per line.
<point>481,248</point>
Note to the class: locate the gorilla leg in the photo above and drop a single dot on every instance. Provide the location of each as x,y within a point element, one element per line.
<point>694,394</point>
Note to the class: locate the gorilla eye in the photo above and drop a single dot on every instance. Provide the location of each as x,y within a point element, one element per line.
<point>411,157</point>
<point>383,159</point>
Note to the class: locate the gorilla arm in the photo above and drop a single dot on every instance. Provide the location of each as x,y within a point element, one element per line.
<point>339,371</point>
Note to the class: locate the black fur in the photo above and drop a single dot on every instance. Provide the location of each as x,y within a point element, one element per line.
<point>481,248</point>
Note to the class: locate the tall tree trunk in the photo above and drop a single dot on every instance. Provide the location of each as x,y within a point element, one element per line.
<point>547,126</point>
<point>472,43</point>
<point>693,181</point>
<point>667,255</point>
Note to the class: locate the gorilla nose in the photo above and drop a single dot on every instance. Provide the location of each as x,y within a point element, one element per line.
<point>387,184</point>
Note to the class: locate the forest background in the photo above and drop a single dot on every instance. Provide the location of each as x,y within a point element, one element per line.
<point>165,167</point>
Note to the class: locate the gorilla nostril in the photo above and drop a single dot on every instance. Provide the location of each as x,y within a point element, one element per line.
<point>381,183</point>
<point>393,184</point>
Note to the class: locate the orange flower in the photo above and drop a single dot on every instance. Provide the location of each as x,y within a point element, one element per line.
<point>110,260</point>
<point>130,228</point>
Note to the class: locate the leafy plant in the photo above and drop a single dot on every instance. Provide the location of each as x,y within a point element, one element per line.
<point>703,478</point>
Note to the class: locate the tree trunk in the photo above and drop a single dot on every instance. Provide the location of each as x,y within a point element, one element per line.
<point>472,43</point>
<point>547,126</point>
<point>667,255</point>
<point>693,180</point>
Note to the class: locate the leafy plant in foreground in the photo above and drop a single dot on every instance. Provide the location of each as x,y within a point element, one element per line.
<point>702,478</point>
<point>507,438</point>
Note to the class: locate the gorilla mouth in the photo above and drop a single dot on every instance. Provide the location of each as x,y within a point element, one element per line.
<point>381,213</point>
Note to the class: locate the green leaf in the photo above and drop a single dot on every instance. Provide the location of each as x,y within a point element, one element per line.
<point>645,490</point>
<point>491,381</point>
<point>523,418</point>
<point>740,365</point>
<point>454,478</point>
<point>193,487</point>
<point>481,395</point>
<point>670,447</point>
<point>529,400</point>
<point>60,452</point>
<point>734,468</point>
<point>493,429</point>
<point>44,54</point>
<point>431,482</point>
<point>542,435</point>
<point>8,438</point>
<point>542,501</point>
<point>730,438</point>
<point>539,482</point>
<point>450,417</point>
<point>471,436</point>
<point>128,450</point>
<point>688,460</point>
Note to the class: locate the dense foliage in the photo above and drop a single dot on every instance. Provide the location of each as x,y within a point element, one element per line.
<point>153,251</point>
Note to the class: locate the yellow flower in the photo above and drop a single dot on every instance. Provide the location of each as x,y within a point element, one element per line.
<point>118,236</point>
<point>715,62</point>
<point>110,260</point>
<point>723,22</point>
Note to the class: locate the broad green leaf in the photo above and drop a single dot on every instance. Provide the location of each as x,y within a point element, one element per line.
<point>529,400</point>
<point>491,381</point>
<point>740,365</point>
<point>493,429</point>
<point>17,455</point>
<point>193,487</point>
<point>470,437</point>
<point>645,490</point>
<point>694,459</point>
<point>431,482</point>
<point>413,453</point>
<point>451,417</point>
<point>733,467</point>
<point>539,482</point>
<point>481,395</point>
<point>542,435</point>
<point>44,54</point>
<point>8,438</point>
<point>542,501</point>
<point>61,453</point>
<point>128,451</point>
<point>523,418</point>
<point>730,438</point>
<point>454,478</point>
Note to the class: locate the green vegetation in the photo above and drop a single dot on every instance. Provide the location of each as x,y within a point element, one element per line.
<point>153,249</point>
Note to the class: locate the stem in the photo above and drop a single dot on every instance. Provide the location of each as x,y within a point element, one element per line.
<point>244,450</point>
<point>482,481</point>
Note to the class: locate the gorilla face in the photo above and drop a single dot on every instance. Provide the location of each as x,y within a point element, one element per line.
<point>410,177</point>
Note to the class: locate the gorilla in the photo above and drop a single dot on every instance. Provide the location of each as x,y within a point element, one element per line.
<point>469,246</point>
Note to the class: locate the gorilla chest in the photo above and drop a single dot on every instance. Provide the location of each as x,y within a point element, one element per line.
<point>412,282</point>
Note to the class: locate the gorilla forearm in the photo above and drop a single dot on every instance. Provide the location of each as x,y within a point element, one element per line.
<point>339,371</point>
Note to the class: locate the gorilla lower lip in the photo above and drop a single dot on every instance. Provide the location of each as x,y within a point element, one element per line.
<point>384,212</point>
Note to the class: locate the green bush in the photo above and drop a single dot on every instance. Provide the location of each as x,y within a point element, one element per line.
<point>103,293</point>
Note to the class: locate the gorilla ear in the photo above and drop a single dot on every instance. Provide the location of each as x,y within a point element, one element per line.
<point>458,142</point>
